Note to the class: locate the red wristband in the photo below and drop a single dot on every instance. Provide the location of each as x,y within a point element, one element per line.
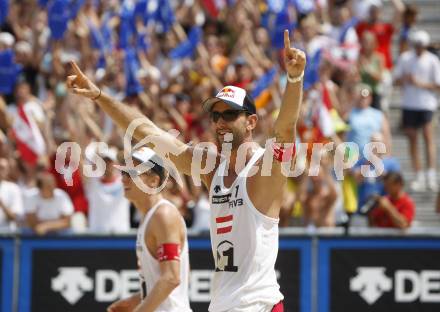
<point>167,252</point>
<point>282,154</point>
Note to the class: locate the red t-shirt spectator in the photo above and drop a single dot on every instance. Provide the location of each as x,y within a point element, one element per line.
<point>384,34</point>
<point>404,205</point>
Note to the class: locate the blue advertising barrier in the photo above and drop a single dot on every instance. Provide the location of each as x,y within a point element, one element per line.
<point>87,274</point>
<point>388,274</point>
<point>7,273</point>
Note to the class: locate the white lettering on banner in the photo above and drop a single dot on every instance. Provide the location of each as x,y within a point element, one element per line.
<point>431,289</point>
<point>200,285</point>
<point>400,294</point>
<point>110,294</point>
<point>422,286</point>
<point>73,282</point>
<point>129,283</point>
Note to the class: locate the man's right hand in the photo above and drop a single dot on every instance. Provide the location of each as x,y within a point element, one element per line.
<point>123,305</point>
<point>80,84</point>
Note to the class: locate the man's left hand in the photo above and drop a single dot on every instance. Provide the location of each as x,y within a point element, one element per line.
<point>295,59</point>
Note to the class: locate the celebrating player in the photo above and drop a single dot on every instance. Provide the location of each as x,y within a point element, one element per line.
<point>161,246</point>
<point>244,213</point>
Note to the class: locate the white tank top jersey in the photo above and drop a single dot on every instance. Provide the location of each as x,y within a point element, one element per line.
<point>244,245</point>
<point>149,269</point>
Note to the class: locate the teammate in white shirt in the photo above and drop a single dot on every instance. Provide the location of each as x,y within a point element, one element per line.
<point>161,246</point>
<point>244,216</point>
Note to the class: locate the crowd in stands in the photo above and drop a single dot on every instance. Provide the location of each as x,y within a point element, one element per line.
<point>165,57</point>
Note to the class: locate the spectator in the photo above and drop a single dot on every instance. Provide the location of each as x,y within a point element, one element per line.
<point>409,18</point>
<point>343,32</point>
<point>418,73</point>
<point>365,121</point>
<point>109,210</point>
<point>368,187</point>
<point>11,204</point>
<point>395,209</point>
<point>48,209</point>
<point>383,33</point>
<point>371,66</point>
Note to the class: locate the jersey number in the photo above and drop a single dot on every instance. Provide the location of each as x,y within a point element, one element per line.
<point>225,257</point>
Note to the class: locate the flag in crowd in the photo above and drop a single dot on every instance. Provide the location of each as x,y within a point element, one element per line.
<point>214,7</point>
<point>127,26</point>
<point>264,82</point>
<point>188,47</point>
<point>282,21</point>
<point>133,85</point>
<point>29,140</point>
<point>311,72</point>
<point>43,3</point>
<point>4,9</point>
<point>58,16</point>
<point>9,71</point>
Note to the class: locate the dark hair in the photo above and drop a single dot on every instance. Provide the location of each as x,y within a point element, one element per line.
<point>394,177</point>
<point>410,10</point>
<point>160,171</point>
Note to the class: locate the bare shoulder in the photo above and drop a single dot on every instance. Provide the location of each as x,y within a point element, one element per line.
<point>166,214</point>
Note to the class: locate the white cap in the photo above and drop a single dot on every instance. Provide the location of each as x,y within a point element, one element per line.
<point>146,156</point>
<point>110,153</point>
<point>7,39</point>
<point>420,37</point>
<point>235,97</point>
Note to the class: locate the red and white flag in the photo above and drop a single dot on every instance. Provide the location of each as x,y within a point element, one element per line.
<point>29,140</point>
<point>224,224</point>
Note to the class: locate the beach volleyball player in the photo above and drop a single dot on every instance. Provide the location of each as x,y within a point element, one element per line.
<point>244,219</point>
<point>161,245</point>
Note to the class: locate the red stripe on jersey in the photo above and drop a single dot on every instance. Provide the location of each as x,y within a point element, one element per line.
<point>224,219</point>
<point>224,230</point>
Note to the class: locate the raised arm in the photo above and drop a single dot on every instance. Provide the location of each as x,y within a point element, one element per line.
<point>285,125</point>
<point>127,117</point>
<point>284,132</point>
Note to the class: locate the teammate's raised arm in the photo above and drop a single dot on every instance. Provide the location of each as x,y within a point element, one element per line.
<point>125,116</point>
<point>295,62</point>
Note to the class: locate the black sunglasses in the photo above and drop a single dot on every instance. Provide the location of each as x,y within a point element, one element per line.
<point>227,115</point>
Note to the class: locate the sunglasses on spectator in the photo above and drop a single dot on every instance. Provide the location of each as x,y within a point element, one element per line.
<point>227,115</point>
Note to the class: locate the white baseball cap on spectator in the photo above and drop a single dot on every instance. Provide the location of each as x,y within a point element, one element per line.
<point>420,38</point>
<point>7,39</point>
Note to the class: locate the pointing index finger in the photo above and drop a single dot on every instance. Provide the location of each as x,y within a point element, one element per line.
<point>76,69</point>
<point>286,39</point>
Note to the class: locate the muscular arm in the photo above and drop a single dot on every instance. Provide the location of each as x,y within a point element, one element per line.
<point>166,228</point>
<point>284,132</point>
<point>130,119</point>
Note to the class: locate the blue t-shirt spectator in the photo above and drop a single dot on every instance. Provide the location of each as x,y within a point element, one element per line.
<point>364,122</point>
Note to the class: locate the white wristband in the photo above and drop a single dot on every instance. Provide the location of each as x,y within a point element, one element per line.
<point>295,79</point>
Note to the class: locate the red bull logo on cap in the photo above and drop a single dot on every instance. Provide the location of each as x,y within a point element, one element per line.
<point>227,92</point>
